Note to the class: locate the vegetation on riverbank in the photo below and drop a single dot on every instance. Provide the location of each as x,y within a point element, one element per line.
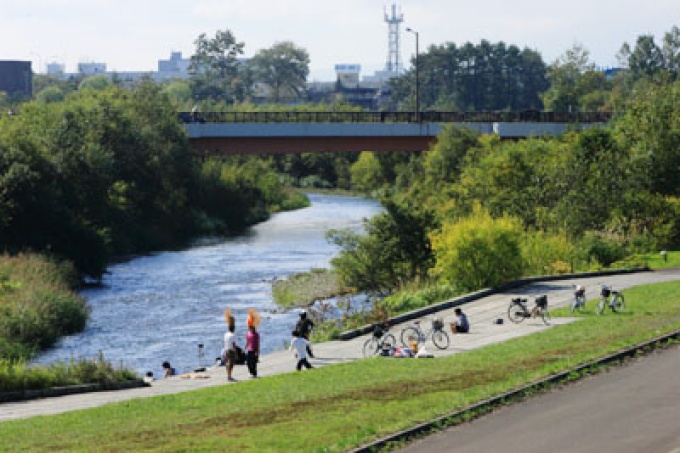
<point>37,304</point>
<point>108,172</point>
<point>474,212</point>
<point>37,307</point>
<point>383,395</point>
<point>103,173</point>
<point>302,289</point>
<point>18,376</point>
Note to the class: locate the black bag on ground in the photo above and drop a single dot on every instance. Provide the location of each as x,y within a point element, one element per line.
<point>240,356</point>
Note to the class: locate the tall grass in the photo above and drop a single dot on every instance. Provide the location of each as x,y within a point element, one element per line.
<point>18,376</point>
<point>37,304</point>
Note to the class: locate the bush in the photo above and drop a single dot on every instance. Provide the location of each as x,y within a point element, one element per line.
<point>546,254</point>
<point>478,251</point>
<point>597,250</point>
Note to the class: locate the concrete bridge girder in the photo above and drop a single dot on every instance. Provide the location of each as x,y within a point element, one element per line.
<point>271,138</point>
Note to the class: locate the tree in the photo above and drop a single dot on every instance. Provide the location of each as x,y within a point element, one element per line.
<point>650,129</point>
<point>646,58</point>
<point>217,67</point>
<point>478,251</point>
<point>284,68</point>
<point>671,51</point>
<point>366,173</point>
<point>487,76</point>
<point>178,91</point>
<point>95,82</point>
<point>50,94</point>
<point>394,251</point>
<point>571,77</point>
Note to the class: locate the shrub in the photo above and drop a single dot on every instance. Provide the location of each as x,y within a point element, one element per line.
<point>478,251</point>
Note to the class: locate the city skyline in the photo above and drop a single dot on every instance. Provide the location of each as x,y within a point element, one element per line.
<point>133,36</point>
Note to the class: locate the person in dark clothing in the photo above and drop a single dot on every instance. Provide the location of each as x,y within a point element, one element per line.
<point>169,371</point>
<point>304,328</point>
<point>461,324</point>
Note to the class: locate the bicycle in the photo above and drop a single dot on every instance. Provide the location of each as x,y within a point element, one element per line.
<point>613,299</point>
<point>380,339</point>
<point>579,302</point>
<point>439,337</point>
<point>518,311</point>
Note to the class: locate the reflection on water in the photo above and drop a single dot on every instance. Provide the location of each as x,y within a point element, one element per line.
<point>161,307</point>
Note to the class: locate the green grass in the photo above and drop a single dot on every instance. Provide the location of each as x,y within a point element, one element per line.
<point>302,289</point>
<point>339,407</point>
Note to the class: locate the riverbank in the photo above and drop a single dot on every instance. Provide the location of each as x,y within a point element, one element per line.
<point>383,395</point>
<point>161,306</point>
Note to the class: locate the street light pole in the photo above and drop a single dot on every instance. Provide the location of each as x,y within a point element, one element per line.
<point>410,30</point>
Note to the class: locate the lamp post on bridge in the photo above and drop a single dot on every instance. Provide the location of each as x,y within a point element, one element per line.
<point>410,30</point>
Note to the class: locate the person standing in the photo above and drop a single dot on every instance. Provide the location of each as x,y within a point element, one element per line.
<point>461,324</point>
<point>300,345</point>
<point>252,350</point>
<point>229,351</point>
<point>304,327</point>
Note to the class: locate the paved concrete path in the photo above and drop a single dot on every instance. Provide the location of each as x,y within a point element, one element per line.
<point>481,313</point>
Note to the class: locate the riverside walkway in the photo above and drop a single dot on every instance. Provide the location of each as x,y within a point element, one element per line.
<point>482,313</point>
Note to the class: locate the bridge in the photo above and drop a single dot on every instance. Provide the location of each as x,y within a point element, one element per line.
<point>225,133</point>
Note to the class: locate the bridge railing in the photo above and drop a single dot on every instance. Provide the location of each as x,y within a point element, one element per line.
<point>396,117</point>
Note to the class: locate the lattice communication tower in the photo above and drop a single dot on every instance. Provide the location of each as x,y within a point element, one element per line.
<point>393,55</point>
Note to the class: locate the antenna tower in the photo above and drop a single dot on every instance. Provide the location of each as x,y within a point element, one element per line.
<point>393,55</point>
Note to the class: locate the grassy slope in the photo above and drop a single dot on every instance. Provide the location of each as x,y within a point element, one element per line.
<point>338,407</point>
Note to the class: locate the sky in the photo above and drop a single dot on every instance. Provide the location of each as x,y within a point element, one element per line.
<point>132,35</point>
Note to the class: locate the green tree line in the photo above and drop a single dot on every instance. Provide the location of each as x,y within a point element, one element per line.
<point>108,172</point>
<point>475,211</point>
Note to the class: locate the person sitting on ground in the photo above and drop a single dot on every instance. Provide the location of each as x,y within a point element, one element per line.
<point>169,371</point>
<point>149,377</point>
<point>461,324</point>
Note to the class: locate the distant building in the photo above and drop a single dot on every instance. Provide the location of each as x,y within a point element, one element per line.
<point>174,68</point>
<point>348,74</point>
<point>16,78</point>
<point>55,69</point>
<point>90,69</point>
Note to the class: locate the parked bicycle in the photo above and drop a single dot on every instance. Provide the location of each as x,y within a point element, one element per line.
<point>613,299</point>
<point>380,339</point>
<point>579,302</point>
<point>416,334</point>
<point>518,310</point>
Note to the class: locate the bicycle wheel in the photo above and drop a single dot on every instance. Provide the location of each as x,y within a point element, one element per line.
<point>516,313</point>
<point>409,334</point>
<point>600,306</point>
<point>545,316</point>
<point>617,304</point>
<point>388,340</point>
<point>440,339</point>
<point>371,347</point>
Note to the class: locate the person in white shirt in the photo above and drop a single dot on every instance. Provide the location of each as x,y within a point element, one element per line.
<point>229,351</point>
<point>300,344</point>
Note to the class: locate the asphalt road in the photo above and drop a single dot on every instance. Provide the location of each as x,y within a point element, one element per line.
<point>631,408</point>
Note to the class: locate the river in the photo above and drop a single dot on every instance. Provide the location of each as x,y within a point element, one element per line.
<point>163,306</point>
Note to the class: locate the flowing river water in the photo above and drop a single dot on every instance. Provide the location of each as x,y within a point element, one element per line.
<point>163,306</point>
